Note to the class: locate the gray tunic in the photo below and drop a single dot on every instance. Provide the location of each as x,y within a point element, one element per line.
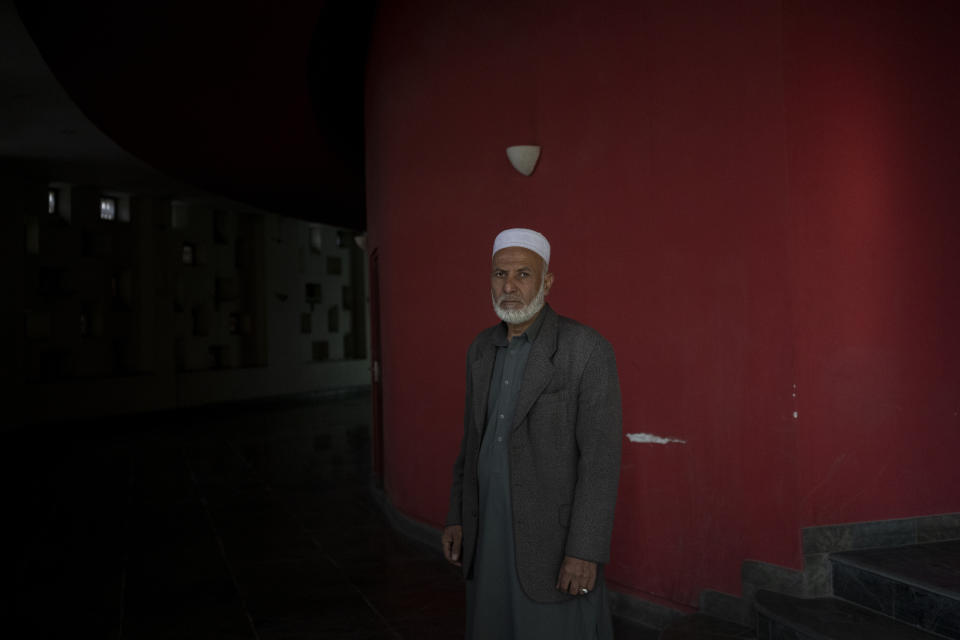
<point>497,606</point>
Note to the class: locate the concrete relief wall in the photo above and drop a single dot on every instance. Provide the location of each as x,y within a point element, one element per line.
<point>178,304</point>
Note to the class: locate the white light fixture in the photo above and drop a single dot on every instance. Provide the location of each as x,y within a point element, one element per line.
<point>524,157</point>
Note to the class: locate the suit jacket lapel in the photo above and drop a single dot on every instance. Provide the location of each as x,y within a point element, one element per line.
<point>539,367</point>
<point>482,370</point>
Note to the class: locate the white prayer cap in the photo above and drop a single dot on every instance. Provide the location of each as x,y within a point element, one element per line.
<point>526,238</point>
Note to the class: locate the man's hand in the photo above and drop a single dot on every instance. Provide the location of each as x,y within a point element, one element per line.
<point>576,574</point>
<point>452,542</point>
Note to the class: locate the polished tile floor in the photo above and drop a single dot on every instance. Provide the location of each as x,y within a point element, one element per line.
<point>242,522</point>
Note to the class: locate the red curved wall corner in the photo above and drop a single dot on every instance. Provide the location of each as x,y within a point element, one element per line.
<point>755,203</point>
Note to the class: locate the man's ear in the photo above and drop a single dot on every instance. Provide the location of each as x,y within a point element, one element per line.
<point>547,283</point>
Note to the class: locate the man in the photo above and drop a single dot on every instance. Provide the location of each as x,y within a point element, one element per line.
<point>534,486</point>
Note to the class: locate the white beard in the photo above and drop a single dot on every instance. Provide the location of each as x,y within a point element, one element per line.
<point>524,314</point>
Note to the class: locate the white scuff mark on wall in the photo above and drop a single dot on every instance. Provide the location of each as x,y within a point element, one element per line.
<point>649,438</point>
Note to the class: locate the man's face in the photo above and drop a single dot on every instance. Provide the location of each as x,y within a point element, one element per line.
<point>516,278</point>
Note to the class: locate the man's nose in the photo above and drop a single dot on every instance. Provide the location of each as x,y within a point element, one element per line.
<point>509,285</point>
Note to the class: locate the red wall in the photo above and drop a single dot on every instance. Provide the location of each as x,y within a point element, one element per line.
<point>741,198</point>
<point>872,107</point>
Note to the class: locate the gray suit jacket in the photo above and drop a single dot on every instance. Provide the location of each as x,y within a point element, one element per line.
<point>564,452</point>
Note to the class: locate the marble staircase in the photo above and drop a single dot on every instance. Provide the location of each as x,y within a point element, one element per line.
<point>908,589</point>
<point>895,593</point>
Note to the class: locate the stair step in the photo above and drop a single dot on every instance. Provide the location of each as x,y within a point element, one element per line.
<point>918,584</point>
<point>699,626</point>
<point>783,617</point>
<point>934,566</point>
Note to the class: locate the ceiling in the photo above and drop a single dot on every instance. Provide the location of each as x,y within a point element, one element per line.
<point>258,102</point>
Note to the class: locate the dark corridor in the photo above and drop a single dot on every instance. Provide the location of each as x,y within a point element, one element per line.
<point>254,521</point>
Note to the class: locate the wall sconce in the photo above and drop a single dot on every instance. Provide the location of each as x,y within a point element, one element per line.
<point>524,157</point>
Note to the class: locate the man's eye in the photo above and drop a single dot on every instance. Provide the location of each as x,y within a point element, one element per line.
<point>524,275</point>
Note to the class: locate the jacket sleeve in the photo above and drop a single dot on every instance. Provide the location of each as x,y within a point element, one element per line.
<point>599,433</point>
<point>455,510</point>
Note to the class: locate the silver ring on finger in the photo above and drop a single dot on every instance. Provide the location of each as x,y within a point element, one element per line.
<point>584,591</point>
